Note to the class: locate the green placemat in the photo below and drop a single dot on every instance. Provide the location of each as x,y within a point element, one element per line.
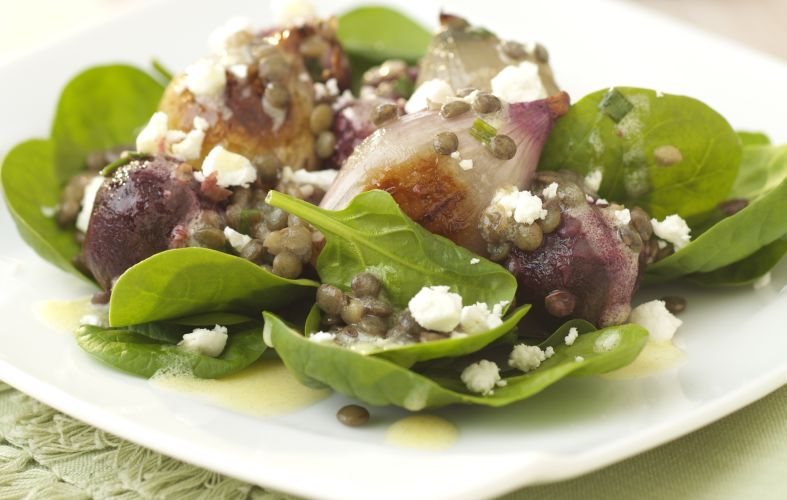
<point>45,454</point>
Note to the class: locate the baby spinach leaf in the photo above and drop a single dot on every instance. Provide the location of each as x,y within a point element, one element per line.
<point>728,241</point>
<point>213,318</point>
<point>745,271</point>
<point>408,354</point>
<point>139,354</point>
<point>380,382</point>
<point>189,281</point>
<point>30,188</point>
<point>380,33</point>
<point>373,234</point>
<point>101,108</point>
<point>666,153</point>
<point>763,167</point>
<point>752,138</point>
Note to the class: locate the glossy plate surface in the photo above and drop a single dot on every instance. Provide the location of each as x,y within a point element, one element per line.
<point>733,340</point>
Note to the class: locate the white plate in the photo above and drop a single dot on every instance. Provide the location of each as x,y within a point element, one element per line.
<point>734,340</point>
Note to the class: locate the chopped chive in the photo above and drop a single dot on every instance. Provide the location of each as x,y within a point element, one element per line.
<point>248,217</point>
<point>127,158</point>
<point>483,131</point>
<point>615,105</point>
<point>162,71</point>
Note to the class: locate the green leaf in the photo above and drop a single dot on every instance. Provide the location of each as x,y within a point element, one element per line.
<point>189,281</point>
<point>373,234</point>
<point>378,33</point>
<point>745,271</point>
<point>730,240</point>
<point>101,108</point>
<point>763,167</point>
<point>380,382</point>
<point>30,187</point>
<point>587,138</point>
<point>144,356</point>
<point>753,138</point>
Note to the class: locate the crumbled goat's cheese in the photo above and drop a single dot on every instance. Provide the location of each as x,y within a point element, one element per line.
<point>475,260</point>
<point>481,377</point>
<point>602,201</point>
<point>550,191</point>
<point>572,336</point>
<point>433,91</point>
<point>593,179</point>
<point>436,308</point>
<point>518,83</point>
<point>322,337</point>
<point>93,320</point>
<point>607,341</point>
<point>549,351</point>
<point>206,78</point>
<point>466,164</point>
<point>231,169</point>
<point>88,200</point>
<point>292,12</point>
<point>656,319</point>
<point>190,147</point>
<point>203,341</point>
<point>478,318</point>
<point>523,206</point>
<point>622,216</point>
<point>151,139</point>
<point>318,178</point>
<point>526,357</point>
<point>672,229</point>
<point>236,240</point>
<point>762,281</point>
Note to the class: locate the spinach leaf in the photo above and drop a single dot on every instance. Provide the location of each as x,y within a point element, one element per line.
<point>728,241</point>
<point>30,188</point>
<point>136,353</point>
<point>745,271</point>
<point>634,135</point>
<point>101,108</point>
<point>753,138</point>
<point>380,33</point>
<point>373,234</point>
<point>380,382</point>
<point>763,167</point>
<point>189,281</point>
<point>210,319</point>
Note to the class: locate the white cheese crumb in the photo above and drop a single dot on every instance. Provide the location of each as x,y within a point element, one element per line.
<point>593,179</point>
<point>231,169</point>
<point>332,86</point>
<point>607,341</point>
<point>481,377</point>
<point>672,229</point>
<point>206,78</point>
<point>320,337</point>
<point>656,319</point>
<point>622,216</point>
<point>319,178</point>
<point>236,240</point>
<point>762,281</point>
<point>478,318</point>
<point>48,212</point>
<point>523,206</point>
<point>572,336</point>
<point>466,164</point>
<point>602,201</point>
<point>434,91</point>
<point>475,260</point>
<point>549,351</point>
<point>502,383</point>
<point>435,308</point>
<point>456,155</point>
<point>93,320</point>
<point>151,139</point>
<point>526,357</point>
<point>550,191</point>
<point>190,147</point>
<point>579,359</point>
<point>292,12</point>
<point>499,307</point>
<point>239,71</point>
<point>518,83</point>
<point>88,200</point>
<point>203,341</point>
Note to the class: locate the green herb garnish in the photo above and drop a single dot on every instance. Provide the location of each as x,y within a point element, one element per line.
<point>483,131</point>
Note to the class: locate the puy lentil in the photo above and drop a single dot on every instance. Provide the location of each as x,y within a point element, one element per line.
<point>376,307</point>
<point>277,95</point>
<point>453,109</point>
<point>253,251</point>
<point>274,68</point>
<point>352,311</point>
<point>560,303</point>
<point>325,145</point>
<point>275,241</point>
<point>499,251</point>
<point>384,113</point>
<point>321,118</point>
<point>732,207</point>
<point>275,218</point>
<point>502,147</point>
<point>210,237</point>
<point>365,285</point>
<point>528,237</point>
<point>232,214</point>
<point>299,241</point>
<point>268,168</point>
<point>674,304</point>
<point>330,299</point>
<point>445,143</point>
<point>464,92</point>
<point>571,194</point>
<point>485,103</point>
<point>353,415</point>
<point>552,219</point>
<point>287,265</point>
<point>514,50</point>
<point>540,53</point>
<point>630,237</point>
<point>641,222</point>
<point>372,325</point>
<point>314,47</point>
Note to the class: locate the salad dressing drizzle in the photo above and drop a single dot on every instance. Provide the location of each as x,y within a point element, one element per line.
<point>426,432</point>
<point>655,358</point>
<point>64,315</point>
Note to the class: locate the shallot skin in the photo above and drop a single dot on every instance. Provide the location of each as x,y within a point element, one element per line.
<point>431,188</point>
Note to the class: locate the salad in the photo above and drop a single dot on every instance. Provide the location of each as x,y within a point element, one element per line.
<point>419,221</point>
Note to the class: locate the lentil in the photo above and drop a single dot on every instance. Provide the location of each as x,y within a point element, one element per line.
<point>353,415</point>
<point>453,109</point>
<point>641,222</point>
<point>674,304</point>
<point>253,251</point>
<point>314,47</point>
<point>560,303</point>
<point>630,237</point>
<point>373,325</point>
<point>445,143</point>
<point>384,113</point>
<point>528,237</point>
<point>330,299</point>
<point>376,307</point>
<point>552,219</point>
<point>276,218</point>
<point>514,50</point>
<point>502,147</point>
<point>210,237</point>
<point>325,145</point>
<point>465,91</point>
<point>732,207</point>
<point>540,53</point>
<point>274,68</point>
<point>486,103</point>
<point>287,265</point>
<point>352,311</point>
<point>365,285</point>
<point>277,95</point>
<point>321,118</point>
